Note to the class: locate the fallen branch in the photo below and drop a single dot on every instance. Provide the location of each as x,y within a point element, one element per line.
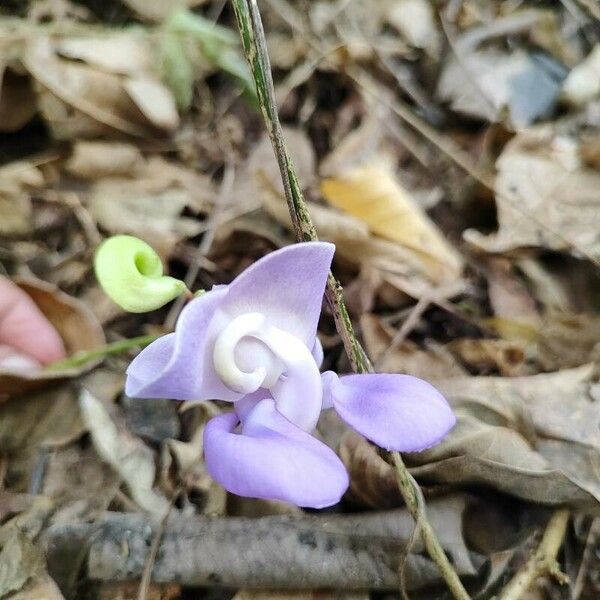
<point>333,551</point>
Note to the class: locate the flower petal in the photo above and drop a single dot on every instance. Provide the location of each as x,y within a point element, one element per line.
<point>318,353</point>
<point>272,459</point>
<point>287,286</point>
<point>397,412</point>
<point>180,365</point>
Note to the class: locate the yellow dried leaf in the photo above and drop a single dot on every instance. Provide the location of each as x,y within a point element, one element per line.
<point>372,194</point>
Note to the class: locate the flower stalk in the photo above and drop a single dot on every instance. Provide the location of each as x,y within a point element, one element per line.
<point>255,48</point>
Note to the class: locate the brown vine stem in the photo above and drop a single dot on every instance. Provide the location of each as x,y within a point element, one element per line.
<point>543,560</point>
<point>255,48</point>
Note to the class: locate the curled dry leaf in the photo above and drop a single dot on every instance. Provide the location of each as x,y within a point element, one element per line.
<point>560,465</point>
<point>124,452</point>
<point>77,326</point>
<point>372,194</point>
<point>544,197</point>
<point>79,99</point>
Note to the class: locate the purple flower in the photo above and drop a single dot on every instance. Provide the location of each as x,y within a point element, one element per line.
<point>253,343</point>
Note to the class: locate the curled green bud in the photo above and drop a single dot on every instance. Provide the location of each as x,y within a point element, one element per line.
<point>131,273</point>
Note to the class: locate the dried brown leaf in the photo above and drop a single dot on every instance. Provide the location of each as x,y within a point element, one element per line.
<point>544,196</point>
<point>563,462</point>
<point>17,100</point>
<point>17,180</point>
<point>81,485</point>
<point>79,99</point>
<point>125,54</point>
<point>372,480</point>
<point>508,294</point>
<point>149,205</point>
<point>154,100</point>
<point>43,588</point>
<point>492,84</point>
<point>583,82</point>
<point>20,561</point>
<point>96,160</point>
<point>182,465</point>
<point>124,452</point>
<point>159,10</point>
<point>74,322</point>
<point>415,20</point>
<point>407,357</point>
<point>490,356</point>
<point>373,194</point>
<point>534,437</point>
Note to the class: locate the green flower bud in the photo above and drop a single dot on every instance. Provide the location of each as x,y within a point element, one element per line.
<point>131,274</point>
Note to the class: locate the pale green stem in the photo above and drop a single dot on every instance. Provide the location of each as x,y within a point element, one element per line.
<point>82,358</point>
<point>255,49</point>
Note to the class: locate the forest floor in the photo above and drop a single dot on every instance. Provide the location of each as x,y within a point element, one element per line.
<point>450,150</point>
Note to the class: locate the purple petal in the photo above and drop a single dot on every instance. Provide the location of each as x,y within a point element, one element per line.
<point>272,459</point>
<point>397,412</point>
<point>318,353</point>
<point>286,285</point>
<point>180,365</point>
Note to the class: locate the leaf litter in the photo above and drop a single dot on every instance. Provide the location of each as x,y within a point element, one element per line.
<point>139,118</point>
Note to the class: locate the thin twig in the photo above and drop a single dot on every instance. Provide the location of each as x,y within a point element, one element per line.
<point>255,49</point>
<point>146,578</point>
<point>409,324</point>
<point>543,560</point>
